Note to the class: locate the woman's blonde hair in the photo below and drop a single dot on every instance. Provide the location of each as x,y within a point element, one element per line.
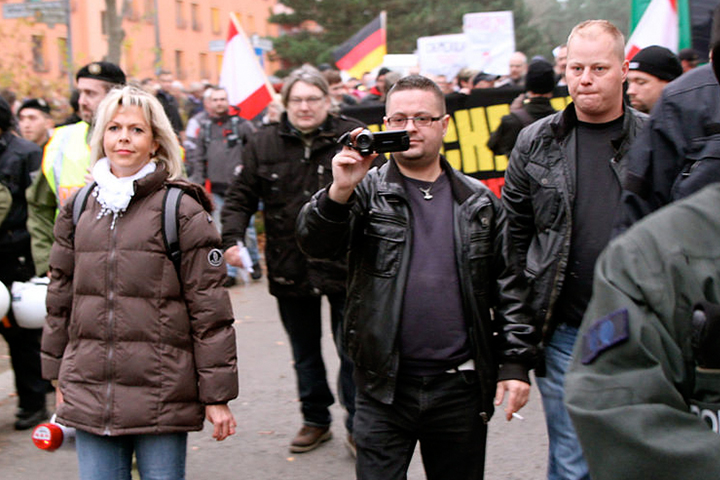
<point>168,151</point>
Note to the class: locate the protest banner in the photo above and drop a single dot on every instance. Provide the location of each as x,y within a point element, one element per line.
<point>491,41</point>
<point>472,119</point>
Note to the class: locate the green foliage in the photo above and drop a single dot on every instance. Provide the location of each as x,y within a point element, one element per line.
<point>556,19</point>
<point>407,20</point>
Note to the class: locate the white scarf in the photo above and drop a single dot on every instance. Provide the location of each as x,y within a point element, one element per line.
<point>113,193</point>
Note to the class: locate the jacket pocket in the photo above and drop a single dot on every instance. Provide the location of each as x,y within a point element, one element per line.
<point>384,236</point>
<point>274,183</point>
<point>544,195</point>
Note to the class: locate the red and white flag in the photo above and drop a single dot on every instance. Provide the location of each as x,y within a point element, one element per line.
<point>241,74</point>
<point>657,22</point>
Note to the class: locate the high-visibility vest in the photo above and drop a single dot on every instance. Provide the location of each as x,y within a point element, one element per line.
<point>66,160</point>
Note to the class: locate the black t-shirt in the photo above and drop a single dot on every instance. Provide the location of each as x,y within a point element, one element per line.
<point>433,333</point>
<point>597,199</point>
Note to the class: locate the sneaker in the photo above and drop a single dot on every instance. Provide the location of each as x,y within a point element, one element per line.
<point>230,282</point>
<point>257,272</point>
<point>351,446</point>
<point>29,421</point>
<point>309,438</point>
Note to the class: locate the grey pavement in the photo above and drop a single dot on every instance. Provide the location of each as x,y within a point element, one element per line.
<point>267,412</point>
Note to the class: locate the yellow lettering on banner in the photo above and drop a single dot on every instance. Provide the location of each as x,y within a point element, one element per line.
<point>495,114</point>
<point>472,128</point>
<point>463,127</point>
<point>453,156</point>
<point>559,103</point>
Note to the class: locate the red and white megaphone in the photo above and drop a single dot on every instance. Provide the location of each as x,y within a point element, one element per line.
<point>51,436</point>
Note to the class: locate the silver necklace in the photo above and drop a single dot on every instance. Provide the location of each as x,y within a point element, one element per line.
<point>426,192</point>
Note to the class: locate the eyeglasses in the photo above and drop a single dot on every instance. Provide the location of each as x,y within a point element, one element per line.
<point>398,121</point>
<point>312,101</point>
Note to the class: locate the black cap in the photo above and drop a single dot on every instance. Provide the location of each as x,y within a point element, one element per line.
<point>657,61</point>
<point>540,77</point>
<point>483,76</point>
<point>688,54</point>
<point>5,115</point>
<point>106,71</point>
<point>35,103</point>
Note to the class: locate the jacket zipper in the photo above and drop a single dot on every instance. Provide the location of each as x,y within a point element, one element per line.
<point>110,326</point>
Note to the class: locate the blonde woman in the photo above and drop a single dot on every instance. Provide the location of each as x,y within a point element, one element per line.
<point>143,351</point>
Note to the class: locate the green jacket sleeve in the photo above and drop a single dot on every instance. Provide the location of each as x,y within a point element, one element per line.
<point>629,400</point>
<point>42,207</point>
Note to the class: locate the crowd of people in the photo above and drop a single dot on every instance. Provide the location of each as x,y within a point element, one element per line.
<point>443,297</point>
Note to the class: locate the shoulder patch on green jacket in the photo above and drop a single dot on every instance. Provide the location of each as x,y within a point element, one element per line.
<point>605,333</point>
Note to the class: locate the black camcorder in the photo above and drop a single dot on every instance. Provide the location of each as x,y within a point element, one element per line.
<point>368,142</point>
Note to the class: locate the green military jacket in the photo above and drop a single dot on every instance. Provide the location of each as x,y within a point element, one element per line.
<point>633,387</point>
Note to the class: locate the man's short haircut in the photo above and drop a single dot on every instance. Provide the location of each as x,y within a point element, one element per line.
<point>417,82</point>
<point>215,88</point>
<point>591,28</point>
<point>306,74</point>
<point>333,77</point>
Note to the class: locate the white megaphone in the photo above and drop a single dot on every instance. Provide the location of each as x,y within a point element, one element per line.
<point>28,302</point>
<point>4,300</point>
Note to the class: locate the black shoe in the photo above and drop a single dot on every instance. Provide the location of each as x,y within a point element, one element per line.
<point>33,419</point>
<point>230,282</point>
<point>257,272</point>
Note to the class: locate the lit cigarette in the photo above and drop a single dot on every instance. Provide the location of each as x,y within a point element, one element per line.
<point>518,416</point>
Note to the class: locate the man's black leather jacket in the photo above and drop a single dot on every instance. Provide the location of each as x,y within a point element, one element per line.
<point>539,195</point>
<point>376,226</point>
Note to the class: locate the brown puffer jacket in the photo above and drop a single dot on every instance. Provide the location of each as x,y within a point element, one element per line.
<point>135,349</point>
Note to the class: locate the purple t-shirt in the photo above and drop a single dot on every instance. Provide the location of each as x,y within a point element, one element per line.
<point>433,332</point>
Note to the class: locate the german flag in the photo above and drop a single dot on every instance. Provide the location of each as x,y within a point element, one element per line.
<point>365,50</point>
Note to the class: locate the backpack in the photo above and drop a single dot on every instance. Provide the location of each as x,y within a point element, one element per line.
<point>170,226</point>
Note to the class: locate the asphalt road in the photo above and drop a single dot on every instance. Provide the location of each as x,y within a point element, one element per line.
<point>268,417</point>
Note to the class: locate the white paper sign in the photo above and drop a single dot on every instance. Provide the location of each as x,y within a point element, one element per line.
<point>491,41</point>
<point>442,54</point>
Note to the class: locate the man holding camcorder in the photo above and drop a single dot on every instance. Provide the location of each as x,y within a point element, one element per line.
<point>425,268</point>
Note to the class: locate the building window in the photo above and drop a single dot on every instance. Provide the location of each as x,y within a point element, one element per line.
<point>215,20</point>
<point>131,10</point>
<point>179,15</point>
<point>195,17</point>
<point>38,53</point>
<point>218,64</point>
<point>62,55</point>
<point>179,70</point>
<point>204,73</point>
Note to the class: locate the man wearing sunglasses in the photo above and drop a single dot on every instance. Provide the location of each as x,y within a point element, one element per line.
<point>425,269</point>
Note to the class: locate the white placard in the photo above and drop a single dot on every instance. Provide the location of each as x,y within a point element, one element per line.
<point>442,54</point>
<point>491,41</point>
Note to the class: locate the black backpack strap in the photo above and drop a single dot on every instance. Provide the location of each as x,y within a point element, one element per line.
<point>171,225</point>
<point>80,201</point>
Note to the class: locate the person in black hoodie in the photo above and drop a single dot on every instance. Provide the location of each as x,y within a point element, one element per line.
<point>19,158</point>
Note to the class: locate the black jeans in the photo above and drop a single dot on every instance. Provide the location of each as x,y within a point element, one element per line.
<point>301,317</point>
<point>442,412</point>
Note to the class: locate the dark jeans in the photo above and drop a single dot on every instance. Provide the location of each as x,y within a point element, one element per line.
<point>301,317</point>
<point>441,412</point>
<point>23,343</point>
